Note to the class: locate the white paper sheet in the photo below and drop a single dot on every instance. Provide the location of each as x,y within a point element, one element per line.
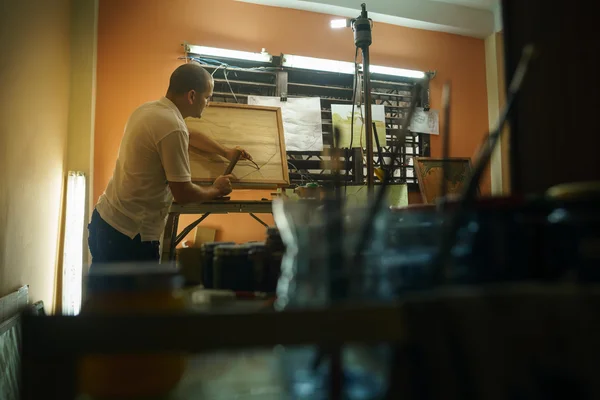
<point>425,122</point>
<point>301,121</point>
<point>341,119</point>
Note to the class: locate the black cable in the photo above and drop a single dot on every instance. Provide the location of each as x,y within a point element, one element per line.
<point>354,87</point>
<point>441,258</point>
<point>380,161</point>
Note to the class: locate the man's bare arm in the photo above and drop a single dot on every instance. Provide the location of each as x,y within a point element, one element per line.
<point>188,192</point>
<point>205,143</point>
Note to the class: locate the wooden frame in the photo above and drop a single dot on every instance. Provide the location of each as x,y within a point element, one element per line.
<point>249,183</point>
<point>430,190</point>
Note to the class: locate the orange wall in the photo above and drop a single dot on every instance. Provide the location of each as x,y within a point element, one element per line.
<point>139,42</point>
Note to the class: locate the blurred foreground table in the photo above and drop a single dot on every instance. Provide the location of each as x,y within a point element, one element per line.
<point>493,342</point>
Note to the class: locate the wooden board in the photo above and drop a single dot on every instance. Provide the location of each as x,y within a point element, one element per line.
<point>430,174</point>
<point>14,302</point>
<point>257,129</point>
<point>204,235</point>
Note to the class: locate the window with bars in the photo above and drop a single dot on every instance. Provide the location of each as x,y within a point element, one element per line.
<point>236,80</point>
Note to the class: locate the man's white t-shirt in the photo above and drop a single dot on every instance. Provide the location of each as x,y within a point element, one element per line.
<point>154,150</point>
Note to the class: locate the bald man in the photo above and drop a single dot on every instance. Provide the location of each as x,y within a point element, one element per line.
<point>152,169</point>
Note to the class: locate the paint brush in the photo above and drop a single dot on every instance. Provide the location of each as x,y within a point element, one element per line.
<point>445,143</point>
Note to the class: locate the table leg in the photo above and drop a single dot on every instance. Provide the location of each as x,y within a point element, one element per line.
<point>169,238</point>
<point>189,228</point>
<point>336,374</point>
<point>260,221</point>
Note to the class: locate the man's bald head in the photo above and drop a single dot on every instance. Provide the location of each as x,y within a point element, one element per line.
<point>190,89</point>
<point>189,77</point>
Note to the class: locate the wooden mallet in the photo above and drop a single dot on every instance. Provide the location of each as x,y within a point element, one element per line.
<point>233,162</point>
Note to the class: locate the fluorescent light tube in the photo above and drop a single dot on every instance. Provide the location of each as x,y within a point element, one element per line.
<point>409,73</point>
<point>339,23</point>
<point>73,244</point>
<point>343,67</point>
<point>317,64</point>
<point>232,54</point>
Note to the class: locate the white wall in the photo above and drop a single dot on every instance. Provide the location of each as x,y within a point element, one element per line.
<point>439,15</point>
<point>82,105</point>
<point>34,113</point>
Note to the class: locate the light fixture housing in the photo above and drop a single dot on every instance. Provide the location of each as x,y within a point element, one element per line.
<point>302,62</point>
<point>263,56</point>
<point>72,267</point>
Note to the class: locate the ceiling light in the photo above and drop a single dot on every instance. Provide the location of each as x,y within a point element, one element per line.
<point>317,64</point>
<point>343,67</point>
<point>231,54</point>
<point>340,23</point>
<point>408,73</point>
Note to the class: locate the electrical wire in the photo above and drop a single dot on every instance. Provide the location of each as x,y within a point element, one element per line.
<point>229,84</point>
<point>213,62</point>
<point>216,69</point>
<point>302,175</point>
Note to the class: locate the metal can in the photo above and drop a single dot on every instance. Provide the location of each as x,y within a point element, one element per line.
<point>232,268</point>
<point>275,248</point>
<point>257,256</point>
<point>207,262</point>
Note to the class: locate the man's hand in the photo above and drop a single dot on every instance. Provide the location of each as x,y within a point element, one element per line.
<point>223,185</point>
<point>230,154</point>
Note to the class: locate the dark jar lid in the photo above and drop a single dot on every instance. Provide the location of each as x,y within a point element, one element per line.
<point>232,250</point>
<point>133,277</point>
<point>257,248</point>
<point>210,246</point>
<point>272,231</point>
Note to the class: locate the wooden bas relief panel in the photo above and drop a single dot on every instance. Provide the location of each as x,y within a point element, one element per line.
<point>257,129</point>
<point>430,174</point>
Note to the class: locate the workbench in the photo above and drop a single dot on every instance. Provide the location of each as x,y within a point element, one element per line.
<point>170,237</point>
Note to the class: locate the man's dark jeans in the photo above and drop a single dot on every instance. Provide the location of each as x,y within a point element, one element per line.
<point>108,245</point>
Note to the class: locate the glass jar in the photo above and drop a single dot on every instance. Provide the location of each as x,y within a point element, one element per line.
<point>207,257</point>
<point>573,232</point>
<point>275,248</point>
<point>189,260</point>
<point>308,279</point>
<point>260,264</point>
<point>232,268</point>
<point>119,289</point>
